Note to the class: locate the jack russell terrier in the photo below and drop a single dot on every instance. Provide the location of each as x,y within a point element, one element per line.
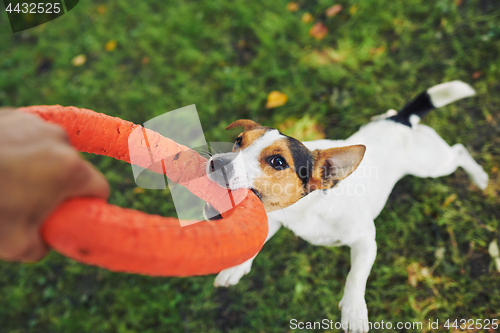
<point>305,187</point>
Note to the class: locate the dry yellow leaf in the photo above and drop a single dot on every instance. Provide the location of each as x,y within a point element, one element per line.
<point>292,6</point>
<point>276,99</point>
<point>111,45</point>
<point>318,31</point>
<point>412,274</point>
<point>138,190</point>
<point>377,50</point>
<point>101,9</point>
<point>449,200</point>
<point>304,129</point>
<point>306,18</point>
<point>79,60</point>
<point>353,9</point>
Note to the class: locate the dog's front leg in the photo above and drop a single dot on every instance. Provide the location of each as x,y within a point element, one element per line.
<point>231,276</point>
<point>353,305</point>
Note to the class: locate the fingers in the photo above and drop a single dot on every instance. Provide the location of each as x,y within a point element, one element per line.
<point>23,244</point>
<point>7,108</point>
<point>69,176</point>
<point>40,170</point>
<point>89,182</point>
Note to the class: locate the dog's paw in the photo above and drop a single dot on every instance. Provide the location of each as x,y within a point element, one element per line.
<point>354,315</point>
<point>231,276</point>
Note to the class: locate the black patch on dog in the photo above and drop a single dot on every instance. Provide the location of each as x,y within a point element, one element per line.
<point>420,106</point>
<point>257,193</point>
<point>302,159</point>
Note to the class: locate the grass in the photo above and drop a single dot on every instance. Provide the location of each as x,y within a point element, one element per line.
<point>225,57</point>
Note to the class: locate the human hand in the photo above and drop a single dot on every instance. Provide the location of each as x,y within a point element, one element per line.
<point>39,169</point>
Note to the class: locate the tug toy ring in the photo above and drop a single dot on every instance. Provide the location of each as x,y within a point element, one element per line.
<point>94,232</point>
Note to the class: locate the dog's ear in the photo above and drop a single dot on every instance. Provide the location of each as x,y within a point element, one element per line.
<point>334,164</point>
<point>247,124</point>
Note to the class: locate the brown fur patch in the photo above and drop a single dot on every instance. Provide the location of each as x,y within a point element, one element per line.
<point>247,124</point>
<point>334,164</point>
<point>278,188</point>
<point>250,136</point>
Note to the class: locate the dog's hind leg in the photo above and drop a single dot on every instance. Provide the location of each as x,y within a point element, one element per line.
<point>431,156</point>
<point>475,171</point>
<point>231,276</point>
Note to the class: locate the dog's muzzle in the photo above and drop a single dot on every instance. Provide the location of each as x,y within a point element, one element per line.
<point>220,169</point>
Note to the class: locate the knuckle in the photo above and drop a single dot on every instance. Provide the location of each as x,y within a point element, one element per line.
<point>68,160</point>
<point>56,132</point>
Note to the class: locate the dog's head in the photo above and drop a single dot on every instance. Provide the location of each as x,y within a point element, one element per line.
<point>279,168</point>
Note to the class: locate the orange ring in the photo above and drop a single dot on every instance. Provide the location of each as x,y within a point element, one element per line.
<point>119,239</point>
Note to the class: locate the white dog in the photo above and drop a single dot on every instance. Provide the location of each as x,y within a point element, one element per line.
<point>304,186</point>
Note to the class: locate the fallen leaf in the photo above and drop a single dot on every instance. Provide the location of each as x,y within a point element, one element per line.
<point>353,9</point>
<point>476,75</point>
<point>111,45</point>
<point>318,31</point>
<point>412,274</point>
<point>494,169</point>
<point>276,99</point>
<point>333,10</point>
<point>394,45</point>
<point>145,60</point>
<point>495,253</point>
<point>79,60</point>
<point>306,18</point>
<point>304,129</point>
<point>439,254</point>
<point>325,57</point>
<point>101,9</point>
<point>377,50</point>
<point>489,118</point>
<point>458,2</point>
<point>320,58</point>
<point>449,200</point>
<point>292,6</point>
<point>139,190</point>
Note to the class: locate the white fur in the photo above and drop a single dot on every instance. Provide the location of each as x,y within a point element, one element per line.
<point>448,92</point>
<point>246,165</point>
<point>344,215</point>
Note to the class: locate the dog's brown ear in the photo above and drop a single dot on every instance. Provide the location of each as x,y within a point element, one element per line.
<point>334,164</point>
<point>247,124</point>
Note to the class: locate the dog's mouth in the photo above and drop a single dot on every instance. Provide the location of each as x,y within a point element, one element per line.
<point>257,193</point>
<point>217,175</point>
<point>213,214</point>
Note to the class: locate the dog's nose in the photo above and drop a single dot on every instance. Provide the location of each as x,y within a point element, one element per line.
<point>220,163</point>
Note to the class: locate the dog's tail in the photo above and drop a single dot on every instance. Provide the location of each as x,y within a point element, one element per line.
<point>432,98</point>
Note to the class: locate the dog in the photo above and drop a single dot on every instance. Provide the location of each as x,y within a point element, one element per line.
<point>329,192</point>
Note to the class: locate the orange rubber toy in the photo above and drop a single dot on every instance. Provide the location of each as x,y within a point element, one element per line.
<point>94,232</point>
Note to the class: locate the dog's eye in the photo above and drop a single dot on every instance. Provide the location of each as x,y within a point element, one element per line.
<point>237,143</point>
<point>278,163</point>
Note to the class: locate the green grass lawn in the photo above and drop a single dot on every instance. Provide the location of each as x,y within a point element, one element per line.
<point>226,57</point>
